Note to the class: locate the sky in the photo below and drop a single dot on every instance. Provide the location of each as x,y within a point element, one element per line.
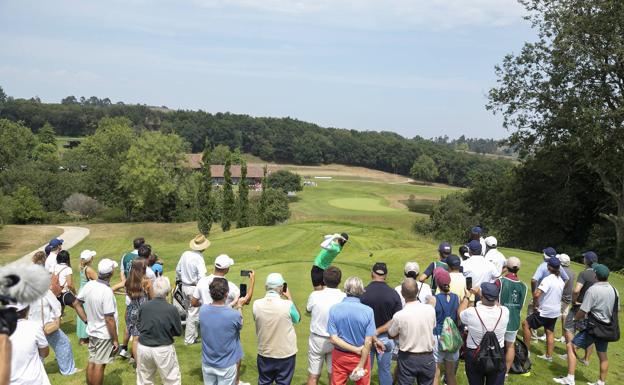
<point>416,67</point>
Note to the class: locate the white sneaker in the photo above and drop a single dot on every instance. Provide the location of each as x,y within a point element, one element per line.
<point>542,337</point>
<point>243,383</point>
<point>561,339</point>
<point>124,353</point>
<point>597,383</point>
<point>545,358</point>
<point>584,362</point>
<point>565,380</point>
<point>563,356</point>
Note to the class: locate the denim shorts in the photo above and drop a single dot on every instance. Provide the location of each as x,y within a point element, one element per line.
<point>583,340</point>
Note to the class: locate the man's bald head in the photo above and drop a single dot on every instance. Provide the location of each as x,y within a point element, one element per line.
<point>409,289</point>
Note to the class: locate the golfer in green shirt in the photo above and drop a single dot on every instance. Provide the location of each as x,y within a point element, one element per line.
<point>330,248</point>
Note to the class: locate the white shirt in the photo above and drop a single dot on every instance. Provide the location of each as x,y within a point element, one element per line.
<point>26,365</point>
<point>550,300</point>
<point>414,325</point>
<point>424,292</point>
<point>319,303</point>
<point>489,315</point>
<point>50,261</point>
<point>98,300</point>
<point>62,270</point>
<point>49,305</point>
<point>149,273</point>
<point>191,267</point>
<point>480,270</point>
<point>202,291</point>
<point>497,259</point>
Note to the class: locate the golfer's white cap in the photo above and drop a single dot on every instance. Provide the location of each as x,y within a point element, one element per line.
<point>87,254</point>
<point>223,261</point>
<point>106,266</point>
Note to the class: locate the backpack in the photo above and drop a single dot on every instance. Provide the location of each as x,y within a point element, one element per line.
<point>55,285</point>
<point>609,332</point>
<point>450,338</point>
<point>489,356</point>
<point>521,363</point>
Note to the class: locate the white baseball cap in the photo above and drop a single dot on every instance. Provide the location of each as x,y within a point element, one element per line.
<point>223,261</point>
<point>564,259</point>
<point>274,280</point>
<point>106,266</point>
<point>491,241</point>
<point>87,254</point>
<point>412,266</point>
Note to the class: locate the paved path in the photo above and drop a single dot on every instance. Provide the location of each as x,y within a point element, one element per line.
<point>71,236</point>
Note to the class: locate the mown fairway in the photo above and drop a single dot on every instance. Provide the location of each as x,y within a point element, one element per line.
<point>290,249</point>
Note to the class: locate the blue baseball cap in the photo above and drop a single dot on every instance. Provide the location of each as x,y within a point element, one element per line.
<point>55,242</point>
<point>549,252</point>
<point>445,248</point>
<point>476,230</point>
<point>554,262</point>
<point>590,256</point>
<point>157,268</point>
<point>490,291</point>
<point>475,247</point>
<point>453,261</point>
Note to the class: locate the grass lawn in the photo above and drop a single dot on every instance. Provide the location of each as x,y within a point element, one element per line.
<point>15,241</point>
<point>290,249</point>
<point>361,204</point>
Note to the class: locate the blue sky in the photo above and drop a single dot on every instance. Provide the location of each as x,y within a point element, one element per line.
<point>417,67</point>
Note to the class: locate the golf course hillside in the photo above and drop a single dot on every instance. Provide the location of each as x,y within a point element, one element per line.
<point>366,208</point>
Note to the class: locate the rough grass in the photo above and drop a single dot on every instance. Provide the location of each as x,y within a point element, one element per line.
<point>16,241</point>
<point>361,204</point>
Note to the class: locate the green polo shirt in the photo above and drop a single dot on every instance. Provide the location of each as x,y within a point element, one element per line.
<point>159,322</point>
<point>325,257</point>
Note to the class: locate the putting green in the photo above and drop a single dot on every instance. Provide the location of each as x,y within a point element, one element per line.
<point>360,204</point>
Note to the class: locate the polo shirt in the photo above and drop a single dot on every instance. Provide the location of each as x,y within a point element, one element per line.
<point>569,285</point>
<point>586,278</point>
<point>599,301</point>
<point>220,332</point>
<point>50,261</point>
<point>202,290</point>
<point>191,267</point>
<point>26,365</point>
<point>489,315</point>
<point>319,303</point>
<point>383,300</point>
<point>159,322</point>
<point>550,300</point>
<point>480,270</point>
<point>496,258</point>
<point>275,318</point>
<point>542,272</point>
<point>326,256</point>
<point>99,300</point>
<point>413,325</point>
<point>424,292</point>
<point>351,321</point>
<point>126,261</point>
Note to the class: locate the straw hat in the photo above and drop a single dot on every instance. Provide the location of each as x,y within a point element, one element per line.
<point>199,243</point>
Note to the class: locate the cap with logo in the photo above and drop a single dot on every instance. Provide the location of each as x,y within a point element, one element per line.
<point>549,252</point>
<point>445,248</point>
<point>223,261</point>
<point>380,268</point>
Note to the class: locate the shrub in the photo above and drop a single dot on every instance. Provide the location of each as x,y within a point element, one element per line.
<point>26,207</point>
<point>285,180</point>
<point>82,205</point>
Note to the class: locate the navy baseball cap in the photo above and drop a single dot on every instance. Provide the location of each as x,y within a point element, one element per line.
<point>476,230</point>
<point>445,248</point>
<point>475,247</point>
<point>550,252</point>
<point>490,291</point>
<point>453,260</point>
<point>55,242</point>
<point>554,262</point>
<point>590,256</point>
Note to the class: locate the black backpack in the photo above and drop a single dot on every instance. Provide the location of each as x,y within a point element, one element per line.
<point>521,363</point>
<point>489,356</point>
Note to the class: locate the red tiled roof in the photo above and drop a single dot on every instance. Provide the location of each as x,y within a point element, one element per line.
<point>254,171</point>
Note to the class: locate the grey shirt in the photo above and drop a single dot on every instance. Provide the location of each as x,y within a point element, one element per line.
<point>569,285</point>
<point>599,301</point>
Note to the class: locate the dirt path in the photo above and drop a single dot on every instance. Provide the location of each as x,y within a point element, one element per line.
<point>72,235</point>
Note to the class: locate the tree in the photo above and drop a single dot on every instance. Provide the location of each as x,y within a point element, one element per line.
<point>243,199</point>
<point>220,154</point>
<point>451,217</point>
<point>16,143</point>
<point>261,211</point>
<point>285,180</point>
<point>205,200</point>
<point>275,207</point>
<point>3,96</point>
<point>46,134</point>
<point>568,88</point>
<point>424,168</point>
<point>82,205</point>
<point>27,207</point>
<point>69,100</point>
<point>227,209</point>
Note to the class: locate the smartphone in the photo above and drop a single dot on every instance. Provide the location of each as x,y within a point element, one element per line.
<point>243,290</point>
<point>245,273</point>
<point>468,283</point>
<point>285,287</point>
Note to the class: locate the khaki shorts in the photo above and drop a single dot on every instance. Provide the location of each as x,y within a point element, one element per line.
<point>565,308</point>
<point>101,351</point>
<point>319,352</point>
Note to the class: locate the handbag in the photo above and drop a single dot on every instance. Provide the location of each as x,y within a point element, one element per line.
<point>605,331</point>
<point>52,326</point>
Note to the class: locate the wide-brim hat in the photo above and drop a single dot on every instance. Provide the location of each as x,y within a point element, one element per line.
<point>199,243</point>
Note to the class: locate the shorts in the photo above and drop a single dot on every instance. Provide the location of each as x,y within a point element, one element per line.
<point>101,351</point>
<point>511,336</point>
<point>584,340</point>
<point>317,276</point>
<point>319,352</point>
<point>440,356</point>
<point>565,309</point>
<point>569,322</point>
<point>536,321</point>
<point>67,298</point>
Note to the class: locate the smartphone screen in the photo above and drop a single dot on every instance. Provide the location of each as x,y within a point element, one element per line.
<point>243,289</point>
<point>245,273</point>
<point>468,283</point>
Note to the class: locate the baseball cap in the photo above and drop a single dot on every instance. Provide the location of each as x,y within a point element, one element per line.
<point>554,262</point>
<point>441,276</point>
<point>475,247</point>
<point>274,280</point>
<point>157,268</point>
<point>223,261</point>
<point>513,262</point>
<point>87,254</point>
<point>549,252</point>
<point>491,241</point>
<point>345,236</point>
<point>445,248</point>
<point>602,271</point>
<point>106,266</point>
<point>463,251</point>
<point>18,306</point>
<point>380,268</point>
<point>476,230</point>
<point>412,266</point>
<point>489,291</point>
<point>453,260</point>
<point>564,259</point>
<point>55,242</point>
<point>590,256</point>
